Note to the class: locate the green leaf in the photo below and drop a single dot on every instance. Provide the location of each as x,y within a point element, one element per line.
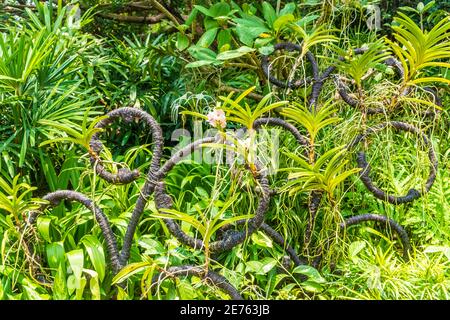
<point>260,267</point>
<point>94,286</point>
<point>59,285</point>
<point>96,254</point>
<point>151,246</point>
<point>312,286</point>
<point>210,23</point>
<point>266,50</point>
<point>32,294</point>
<point>408,9</point>
<point>310,272</point>
<point>233,54</point>
<point>303,22</point>
<point>130,270</point>
<point>355,248</point>
<point>79,292</point>
<point>207,38</point>
<point>200,63</point>
<point>76,262</point>
<point>429,6</point>
<point>269,13</point>
<point>261,239</point>
<point>282,21</point>
<point>55,255</point>
<point>288,9</point>
<point>249,28</point>
<point>49,170</point>
<point>191,17</point>
<point>200,53</point>
<point>71,284</point>
<point>253,266</point>
<point>219,9</point>
<point>223,38</point>
<point>186,290</point>
<point>202,192</point>
<point>43,225</point>
<point>267,265</point>
<point>182,41</point>
<point>203,10</point>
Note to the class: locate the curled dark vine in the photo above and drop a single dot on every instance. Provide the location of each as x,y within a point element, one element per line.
<point>209,276</point>
<point>154,180</point>
<point>317,82</point>
<point>412,194</point>
<point>388,222</point>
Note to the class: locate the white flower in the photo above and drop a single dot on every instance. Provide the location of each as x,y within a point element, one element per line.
<point>217,119</point>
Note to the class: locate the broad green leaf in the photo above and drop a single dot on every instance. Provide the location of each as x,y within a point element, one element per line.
<point>94,286</point>
<point>190,19</point>
<point>76,262</point>
<point>55,255</point>
<point>223,38</point>
<point>202,192</point>
<point>43,226</point>
<point>282,21</point>
<point>249,28</point>
<point>267,265</point>
<point>233,54</point>
<point>182,41</point>
<point>207,38</point>
<point>32,294</point>
<point>186,290</point>
<point>266,50</point>
<point>312,286</point>
<point>79,292</point>
<point>151,246</point>
<point>253,266</point>
<point>96,254</point>
<point>310,272</point>
<point>355,248</point>
<point>269,13</point>
<point>219,9</point>
<point>260,267</point>
<point>71,284</point>
<point>288,9</point>
<point>200,53</point>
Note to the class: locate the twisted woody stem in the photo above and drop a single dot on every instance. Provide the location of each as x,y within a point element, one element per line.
<point>210,276</point>
<point>388,222</point>
<point>56,197</point>
<point>164,201</point>
<point>365,166</point>
<point>126,176</point>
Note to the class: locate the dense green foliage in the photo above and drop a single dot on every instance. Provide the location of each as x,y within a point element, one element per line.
<point>198,64</point>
